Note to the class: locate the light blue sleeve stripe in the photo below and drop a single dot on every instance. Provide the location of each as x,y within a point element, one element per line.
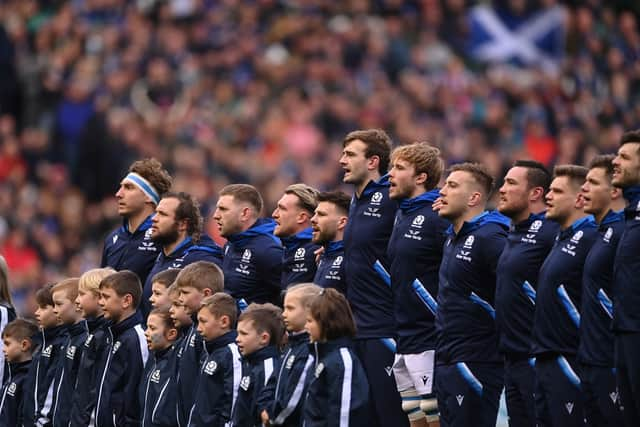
<point>425,296</point>
<point>568,371</point>
<point>389,343</point>
<point>529,292</point>
<point>469,377</point>
<point>384,274</point>
<point>605,302</point>
<point>242,304</point>
<point>475,298</point>
<point>571,309</point>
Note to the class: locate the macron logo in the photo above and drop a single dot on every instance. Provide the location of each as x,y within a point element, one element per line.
<point>569,406</point>
<point>389,370</point>
<point>114,240</point>
<point>460,398</point>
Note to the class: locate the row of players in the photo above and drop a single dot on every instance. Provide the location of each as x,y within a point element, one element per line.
<point>531,282</point>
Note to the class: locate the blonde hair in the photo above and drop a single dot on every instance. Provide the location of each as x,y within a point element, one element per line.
<point>307,196</point>
<point>90,280</point>
<point>305,292</point>
<point>68,286</point>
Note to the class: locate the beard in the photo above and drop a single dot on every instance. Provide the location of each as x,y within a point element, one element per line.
<point>166,238</point>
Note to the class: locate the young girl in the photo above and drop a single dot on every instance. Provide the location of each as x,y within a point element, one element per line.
<point>158,397</point>
<point>7,312</point>
<point>338,393</point>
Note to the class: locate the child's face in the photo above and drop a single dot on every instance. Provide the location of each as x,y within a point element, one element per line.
<point>190,298</point>
<point>14,350</point>
<point>112,304</point>
<point>46,317</point>
<point>294,314</point>
<point>249,340</point>
<point>179,314</point>
<point>313,328</point>
<point>211,326</point>
<point>88,303</point>
<point>158,335</point>
<point>65,309</point>
<point>159,295</point>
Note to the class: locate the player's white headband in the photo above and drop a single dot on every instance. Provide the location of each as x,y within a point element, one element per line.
<point>144,185</point>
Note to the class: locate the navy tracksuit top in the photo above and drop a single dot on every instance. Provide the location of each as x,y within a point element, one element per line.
<point>415,253</point>
<point>366,237</point>
<point>330,272</point>
<point>190,355</point>
<point>127,250</point>
<point>528,245</point>
<point>626,269</point>
<point>14,394</point>
<point>466,318</point>
<point>557,316</point>
<point>596,336</point>
<point>252,264</point>
<point>158,390</point>
<point>299,262</point>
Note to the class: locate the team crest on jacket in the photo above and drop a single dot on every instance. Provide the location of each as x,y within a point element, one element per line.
<point>290,361</point>
<point>87,342</point>
<point>71,352</point>
<point>607,235</point>
<point>376,198</point>
<point>418,221</point>
<point>47,351</point>
<point>246,256</point>
<point>319,369</point>
<point>155,377</point>
<point>210,367</point>
<point>535,226</point>
<point>192,341</point>
<point>577,236</point>
<point>469,242</point>
<point>299,255</point>
<point>148,233</point>
<point>11,391</point>
<point>337,262</point>
<point>116,347</point>
<point>245,382</point>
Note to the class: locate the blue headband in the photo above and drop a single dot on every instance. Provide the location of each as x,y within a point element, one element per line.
<point>143,185</point>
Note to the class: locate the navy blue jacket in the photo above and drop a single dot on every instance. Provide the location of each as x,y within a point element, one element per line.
<point>465,319</point>
<point>158,390</point>
<point>557,316</point>
<point>14,393</point>
<point>85,393</point>
<point>415,251</point>
<point>252,264</point>
<point>39,406</point>
<point>126,250</point>
<point>528,244</point>
<point>218,383</point>
<point>366,237</point>
<point>185,253</point>
<point>626,268</point>
<point>291,383</point>
<point>253,395</point>
<point>65,380</point>
<point>191,353</point>
<point>330,272</point>
<point>338,390</point>
<point>299,261</point>
<point>7,314</point>
<point>596,337</point>
<point>120,373</point>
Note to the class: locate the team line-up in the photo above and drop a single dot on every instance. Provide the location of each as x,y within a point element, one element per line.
<point>407,303</point>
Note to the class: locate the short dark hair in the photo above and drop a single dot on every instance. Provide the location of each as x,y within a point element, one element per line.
<point>221,304</point>
<point>44,296</point>
<point>265,318</point>
<point>480,174</point>
<point>575,173</point>
<point>152,170</point>
<point>188,209</point>
<point>124,282</point>
<point>164,314</point>
<point>338,198</point>
<point>201,275</point>
<point>378,143</point>
<point>20,329</point>
<point>166,277</point>
<point>333,314</point>
<point>603,161</point>
<point>537,174</point>
<point>244,193</point>
<point>632,136</point>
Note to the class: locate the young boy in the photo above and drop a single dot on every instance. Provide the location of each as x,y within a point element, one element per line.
<point>64,306</point>
<point>181,320</point>
<point>221,371</point>
<point>195,282</point>
<point>84,395</point>
<point>159,287</point>
<point>38,408</point>
<point>291,379</point>
<point>17,348</point>
<point>260,330</point>
<point>122,363</point>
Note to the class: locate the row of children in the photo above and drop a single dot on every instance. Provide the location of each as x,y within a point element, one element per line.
<point>200,362</point>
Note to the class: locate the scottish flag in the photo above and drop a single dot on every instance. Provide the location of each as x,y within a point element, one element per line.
<point>535,39</point>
